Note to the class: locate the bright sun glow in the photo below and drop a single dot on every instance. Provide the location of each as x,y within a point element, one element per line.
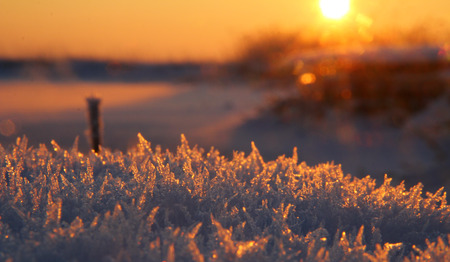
<point>334,9</point>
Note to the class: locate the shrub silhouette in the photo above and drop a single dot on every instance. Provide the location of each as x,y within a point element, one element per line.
<point>152,205</point>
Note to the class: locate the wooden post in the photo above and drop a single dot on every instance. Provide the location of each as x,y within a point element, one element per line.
<point>94,122</point>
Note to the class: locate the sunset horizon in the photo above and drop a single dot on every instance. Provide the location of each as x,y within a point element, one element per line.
<point>257,130</point>
<point>197,31</point>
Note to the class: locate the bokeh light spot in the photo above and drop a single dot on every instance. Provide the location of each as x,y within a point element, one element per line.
<point>363,20</point>
<point>7,127</point>
<point>298,68</point>
<point>307,78</point>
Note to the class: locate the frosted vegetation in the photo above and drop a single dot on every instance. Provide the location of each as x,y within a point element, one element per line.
<point>154,205</point>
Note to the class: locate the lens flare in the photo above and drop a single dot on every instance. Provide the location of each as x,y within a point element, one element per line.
<point>7,127</point>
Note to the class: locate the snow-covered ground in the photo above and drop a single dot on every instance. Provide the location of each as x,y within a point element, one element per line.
<point>162,111</point>
<point>228,117</point>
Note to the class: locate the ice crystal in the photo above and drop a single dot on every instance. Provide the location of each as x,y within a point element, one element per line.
<point>193,205</point>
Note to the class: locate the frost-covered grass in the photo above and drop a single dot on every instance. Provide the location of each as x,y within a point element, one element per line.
<point>192,205</point>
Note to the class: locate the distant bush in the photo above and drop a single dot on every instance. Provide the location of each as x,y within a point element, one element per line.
<point>319,77</point>
<point>394,91</point>
<point>151,205</point>
<point>268,54</point>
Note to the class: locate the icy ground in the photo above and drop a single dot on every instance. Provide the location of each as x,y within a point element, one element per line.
<point>147,204</point>
<point>229,116</point>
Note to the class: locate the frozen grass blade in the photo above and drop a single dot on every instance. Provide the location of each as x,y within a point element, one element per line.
<point>149,205</point>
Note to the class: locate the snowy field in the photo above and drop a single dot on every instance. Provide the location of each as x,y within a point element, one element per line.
<point>300,191</point>
<point>227,116</point>
<point>195,205</point>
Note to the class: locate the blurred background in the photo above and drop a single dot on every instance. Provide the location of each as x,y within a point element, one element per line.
<point>365,84</point>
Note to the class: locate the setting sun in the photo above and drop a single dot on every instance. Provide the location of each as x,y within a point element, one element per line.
<point>334,9</point>
<point>197,30</point>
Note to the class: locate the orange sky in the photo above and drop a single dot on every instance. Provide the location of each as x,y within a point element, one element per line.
<point>168,30</point>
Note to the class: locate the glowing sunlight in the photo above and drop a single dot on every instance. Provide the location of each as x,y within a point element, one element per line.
<point>334,9</point>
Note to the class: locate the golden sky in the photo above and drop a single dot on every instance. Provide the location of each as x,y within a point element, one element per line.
<point>171,30</point>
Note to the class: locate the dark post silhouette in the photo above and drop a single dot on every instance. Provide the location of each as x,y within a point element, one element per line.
<point>94,122</point>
